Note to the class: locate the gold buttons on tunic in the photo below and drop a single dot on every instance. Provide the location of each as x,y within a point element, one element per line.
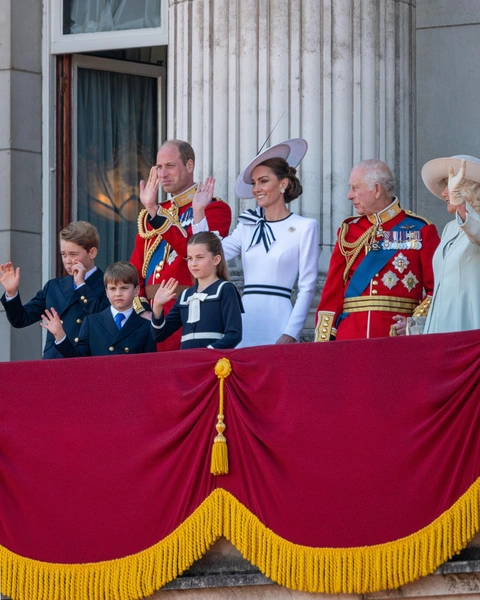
<point>79,321</point>
<point>82,297</point>
<point>127,350</point>
<point>85,301</point>
<point>76,340</point>
<point>374,282</point>
<point>111,348</point>
<point>374,292</point>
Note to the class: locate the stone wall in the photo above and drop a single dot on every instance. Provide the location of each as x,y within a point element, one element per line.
<point>448,88</point>
<point>21,161</point>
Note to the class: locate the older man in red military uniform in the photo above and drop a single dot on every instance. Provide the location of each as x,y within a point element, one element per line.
<point>164,229</point>
<point>381,267</point>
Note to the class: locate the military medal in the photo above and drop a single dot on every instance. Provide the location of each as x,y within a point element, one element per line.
<point>402,240</point>
<point>410,281</point>
<point>376,243</point>
<point>400,262</point>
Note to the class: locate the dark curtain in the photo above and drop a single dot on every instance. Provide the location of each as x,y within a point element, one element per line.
<point>117,139</point>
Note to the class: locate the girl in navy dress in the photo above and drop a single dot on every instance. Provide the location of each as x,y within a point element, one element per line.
<point>209,312</point>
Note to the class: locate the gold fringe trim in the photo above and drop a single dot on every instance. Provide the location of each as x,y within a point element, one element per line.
<point>330,570</point>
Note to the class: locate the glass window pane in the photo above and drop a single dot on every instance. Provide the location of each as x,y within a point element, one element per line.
<point>92,16</point>
<point>117,139</point>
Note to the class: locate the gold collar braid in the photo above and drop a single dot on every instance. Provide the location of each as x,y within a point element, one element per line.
<point>387,214</point>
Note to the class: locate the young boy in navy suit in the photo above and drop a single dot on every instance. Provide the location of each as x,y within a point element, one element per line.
<point>75,296</point>
<point>117,329</point>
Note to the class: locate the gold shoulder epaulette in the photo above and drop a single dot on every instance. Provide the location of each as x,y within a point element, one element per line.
<point>140,305</point>
<point>143,231</point>
<point>141,220</point>
<point>412,214</point>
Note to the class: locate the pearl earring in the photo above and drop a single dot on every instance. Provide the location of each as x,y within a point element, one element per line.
<point>282,191</point>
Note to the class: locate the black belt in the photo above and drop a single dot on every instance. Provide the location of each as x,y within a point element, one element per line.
<point>268,290</point>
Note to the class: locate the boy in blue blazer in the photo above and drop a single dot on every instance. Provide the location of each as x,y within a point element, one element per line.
<point>73,297</point>
<point>117,329</point>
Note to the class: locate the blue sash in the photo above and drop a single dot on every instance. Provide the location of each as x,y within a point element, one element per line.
<point>376,260</point>
<point>157,256</point>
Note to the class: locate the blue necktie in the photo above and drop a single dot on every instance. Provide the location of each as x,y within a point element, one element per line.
<point>119,318</point>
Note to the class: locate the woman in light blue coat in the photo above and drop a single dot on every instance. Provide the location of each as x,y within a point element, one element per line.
<point>456,263</point>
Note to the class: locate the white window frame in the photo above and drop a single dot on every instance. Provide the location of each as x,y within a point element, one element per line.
<point>114,66</point>
<point>62,43</point>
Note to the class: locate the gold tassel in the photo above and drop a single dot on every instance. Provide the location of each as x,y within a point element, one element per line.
<point>219,464</point>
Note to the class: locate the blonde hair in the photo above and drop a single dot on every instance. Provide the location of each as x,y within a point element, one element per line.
<point>470,191</point>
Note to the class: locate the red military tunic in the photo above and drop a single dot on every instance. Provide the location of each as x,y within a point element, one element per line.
<point>160,253</point>
<point>397,288</point>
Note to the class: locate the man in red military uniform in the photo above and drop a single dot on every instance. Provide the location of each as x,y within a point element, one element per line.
<point>381,266</point>
<point>164,229</point>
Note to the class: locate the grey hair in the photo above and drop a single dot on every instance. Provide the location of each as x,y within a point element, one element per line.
<point>376,171</point>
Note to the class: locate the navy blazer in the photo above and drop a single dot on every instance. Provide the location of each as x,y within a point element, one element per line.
<point>72,306</point>
<point>220,324</point>
<point>100,336</point>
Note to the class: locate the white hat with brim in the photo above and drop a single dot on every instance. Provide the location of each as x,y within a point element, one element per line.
<point>435,171</point>
<point>291,150</point>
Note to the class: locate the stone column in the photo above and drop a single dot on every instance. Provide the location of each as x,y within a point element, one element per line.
<point>339,73</point>
<point>20,161</point>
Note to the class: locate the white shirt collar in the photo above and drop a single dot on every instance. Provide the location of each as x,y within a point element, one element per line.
<point>88,273</point>
<point>127,313</point>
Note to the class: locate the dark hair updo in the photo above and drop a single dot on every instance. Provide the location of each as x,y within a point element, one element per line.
<point>282,170</point>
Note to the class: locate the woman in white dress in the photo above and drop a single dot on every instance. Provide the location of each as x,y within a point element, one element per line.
<point>276,247</point>
<point>456,262</point>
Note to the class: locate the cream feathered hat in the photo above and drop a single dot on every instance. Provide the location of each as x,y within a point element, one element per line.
<point>435,171</point>
<point>291,150</point>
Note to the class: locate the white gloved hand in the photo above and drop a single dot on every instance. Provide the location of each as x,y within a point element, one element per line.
<point>454,184</point>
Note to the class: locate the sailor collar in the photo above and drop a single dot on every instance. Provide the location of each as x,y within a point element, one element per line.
<point>185,197</point>
<point>387,214</point>
<point>193,291</point>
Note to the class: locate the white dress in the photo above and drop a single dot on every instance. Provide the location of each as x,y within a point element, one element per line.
<point>270,277</point>
<point>456,269</point>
